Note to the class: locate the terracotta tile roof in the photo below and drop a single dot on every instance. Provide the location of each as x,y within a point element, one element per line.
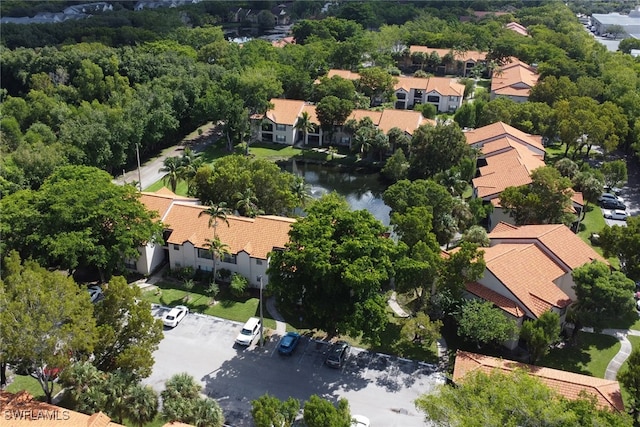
<point>311,110</point>
<point>577,198</point>
<point>529,274</point>
<point>443,85</point>
<point>470,55</point>
<point>514,79</point>
<point>284,41</point>
<point>407,120</point>
<point>285,111</point>
<point>485,134</point>
<point>20,410</point>
<point>520,29</point>
<point>498,300</point>
<point>161,201</point>
<point>177,424</point>
<point>358,115</point>
<point>567,384</point>
<point>345,74</point>
<point>504,170</point>
<point>257,236</point>
<point>557,239</point>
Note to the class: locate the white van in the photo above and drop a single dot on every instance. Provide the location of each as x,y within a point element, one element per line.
<point>249,332</point>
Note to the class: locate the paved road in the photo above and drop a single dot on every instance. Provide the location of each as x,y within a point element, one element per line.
<point>149,170</point>
<point>379,387</point>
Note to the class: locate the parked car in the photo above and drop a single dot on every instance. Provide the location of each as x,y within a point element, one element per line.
<point>360,421</point>
<point>288,343</point>
<point>617,214</point>
<point>613,190</point>
<point>95,293</point>
<point>638,305</point>
<point>612,204</point>
<point>608,196</point>
<point>337,354</point>
<point>175,316</point>
<point>249,332</point>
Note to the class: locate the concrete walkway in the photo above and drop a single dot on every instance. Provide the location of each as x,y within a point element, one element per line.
<point>281,325</point>
<point>393,303</point>
<point>625,350</point>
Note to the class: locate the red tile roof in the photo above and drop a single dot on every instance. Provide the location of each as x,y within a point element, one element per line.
<point>480,136</point>
<point>345,74</point>
<point>504,170</point>
<point>20,410</point>
<point>161,200</point>
<point>285,111</point>
<point>529,274</point>
<point>498,300</point>
<point>443,85</point>
<point>256,236</point>
<point>568,384</point>
<point>514,79</point>
<point>469,55</point>
<point>520,29</point>
<point>557,239</point>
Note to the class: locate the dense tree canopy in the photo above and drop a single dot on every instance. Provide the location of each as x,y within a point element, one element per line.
<point>624,243</point>
<point>517,398</point>
<point>335,265</point>
<point>602,295</point>
<point>78,218</point>
<point>46,321</point>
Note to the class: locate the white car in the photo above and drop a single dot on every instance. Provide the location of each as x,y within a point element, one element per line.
<point>617,214</point>
<point>249,332</point>
<point>360,421</point>
<point>175,316</point>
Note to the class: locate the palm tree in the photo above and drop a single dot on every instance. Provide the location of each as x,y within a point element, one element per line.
<point>172,169</point>
<point>247,203</point>
<point>305,125</point>
<point>190,162</point>
<point>301,190</point>
<point>142,404</point>
<point>217,250</point>
<point>208,413</point>
<point>216,212</point>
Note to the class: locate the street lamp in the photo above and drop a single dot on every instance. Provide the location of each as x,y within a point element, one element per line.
<point>261,316</point>
<point>139,173</point>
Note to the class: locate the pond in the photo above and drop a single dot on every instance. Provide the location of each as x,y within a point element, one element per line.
<point>362,190</point>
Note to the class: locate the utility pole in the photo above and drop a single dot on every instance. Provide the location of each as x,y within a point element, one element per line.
<point>261,316</point>
<point>139,173</point>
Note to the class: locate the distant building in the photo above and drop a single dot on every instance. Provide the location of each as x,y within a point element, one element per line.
<point>514,80</point>
<point>630,23</point>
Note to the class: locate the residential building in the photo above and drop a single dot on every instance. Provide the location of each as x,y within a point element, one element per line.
<point>22,410</point>
<point>568,384</point>
<point>154,255</point>
<point>187,232</point>
<point>279,123</point>
<point>507,158</point>
<point>514,80</point>
<point>518,28</point>
<point>529,270</point>
<point>630,23</point>
<point>445,93</point>
<point>452,62</point>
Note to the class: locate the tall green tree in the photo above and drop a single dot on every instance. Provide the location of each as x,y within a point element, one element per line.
<point>125,342</point>
<point>304,125</point>
<point>268,411</point>
<point>47,321</point>
<point>435,149</point>
<point>630,380</point>
<point>171,169</point>
<point>602,295</point>
<point>335,264</point>
<point>78,218</point>
<point>332,112</point>
<point>499,399</point>
<point>547,200</point>
<point>218,250</point>
<point>319,412</point>
<point>481,323</point>
<point>624,243</point>
<point>539,334</point>
<point>615,173</point>
<point>217,213</point>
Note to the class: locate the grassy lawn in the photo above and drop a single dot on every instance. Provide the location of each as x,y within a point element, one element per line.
<point>593,223</point>
<point>181,188</point>
<point>228,307</point>
<point>590,356</point>
<point>30,384</point>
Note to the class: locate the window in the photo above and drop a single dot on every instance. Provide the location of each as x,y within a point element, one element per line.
<point>401,95</point>
<point>229,259</point>
<point>281,138</point>
<point>258,262</point>
<point>281,127</point>
<point>418,94</point>
<point>453,98</point>
<point>433,98</point>
<point>176,247</point>
<point>267,127</point>
<point>204,253</point>
<point>131,264</point>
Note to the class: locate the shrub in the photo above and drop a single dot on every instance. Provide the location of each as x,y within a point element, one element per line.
<point>238,284</point>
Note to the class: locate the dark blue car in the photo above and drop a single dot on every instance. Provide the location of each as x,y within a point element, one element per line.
<point>288,343</point>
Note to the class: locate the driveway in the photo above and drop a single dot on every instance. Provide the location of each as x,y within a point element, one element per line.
<point>149,169</point>
<point>380,387</point>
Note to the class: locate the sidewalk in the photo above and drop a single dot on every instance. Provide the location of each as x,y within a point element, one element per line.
<point>625,349</point>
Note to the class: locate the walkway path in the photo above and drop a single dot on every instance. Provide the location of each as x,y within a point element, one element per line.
<point>281,325</point>
<point>625,350</point>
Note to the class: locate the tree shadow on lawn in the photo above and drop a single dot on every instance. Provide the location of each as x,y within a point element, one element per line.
<point>576,358</point>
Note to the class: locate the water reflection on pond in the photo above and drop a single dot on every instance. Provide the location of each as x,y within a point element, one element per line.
<point>362,191</point>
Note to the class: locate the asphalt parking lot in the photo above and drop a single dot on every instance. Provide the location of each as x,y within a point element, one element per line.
<point>381,387</point>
